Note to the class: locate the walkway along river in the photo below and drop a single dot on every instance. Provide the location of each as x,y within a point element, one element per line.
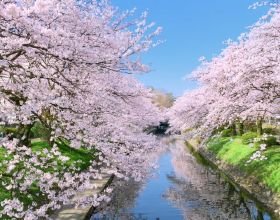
<point>183,188</point>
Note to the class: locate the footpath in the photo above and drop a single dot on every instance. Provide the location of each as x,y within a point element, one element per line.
<point>70,212</point>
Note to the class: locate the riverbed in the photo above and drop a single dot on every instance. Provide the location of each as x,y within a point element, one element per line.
<point>183,187</point>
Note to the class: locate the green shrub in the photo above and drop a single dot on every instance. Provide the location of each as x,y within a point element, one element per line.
<point>248,137</point>
<point>227,132</point>
<point>39,131</point>
<point>272,131</point>
<point>271,140</point>
<point>5,130</point>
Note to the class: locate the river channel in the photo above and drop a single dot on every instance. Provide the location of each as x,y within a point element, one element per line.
<point>184,187</point>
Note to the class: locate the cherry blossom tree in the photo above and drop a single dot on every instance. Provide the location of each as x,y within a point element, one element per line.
<point>241,84</point>
<point>190,110</point>
<point>65,64</point>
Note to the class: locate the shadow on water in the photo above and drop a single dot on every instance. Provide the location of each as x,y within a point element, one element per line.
<point>185,187</point>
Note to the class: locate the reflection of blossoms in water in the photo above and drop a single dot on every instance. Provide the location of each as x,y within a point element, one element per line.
<point>123,199</point>
<point>125,194</point>
<point>201,193</point>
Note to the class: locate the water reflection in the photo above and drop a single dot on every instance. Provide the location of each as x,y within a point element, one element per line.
<point>183,189</point>
<point>202,193</point>
<point>123,200</point>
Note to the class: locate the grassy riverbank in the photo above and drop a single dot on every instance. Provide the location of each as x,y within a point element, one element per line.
<point>233,152</point>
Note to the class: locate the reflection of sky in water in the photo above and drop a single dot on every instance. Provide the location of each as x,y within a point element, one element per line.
<point>151,202</point>
<point>182,189</point>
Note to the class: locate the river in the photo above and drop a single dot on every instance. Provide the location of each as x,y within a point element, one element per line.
<point>184,187</point>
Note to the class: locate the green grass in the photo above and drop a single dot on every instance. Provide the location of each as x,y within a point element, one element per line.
<point>81,157</point>
<point>233,152</point>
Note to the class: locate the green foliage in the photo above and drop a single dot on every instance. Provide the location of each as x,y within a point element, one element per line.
<point>272,131</point>
<point>270,141</point>
<point>248,137</point>
<point>234,152</point>
<point>8,130</point>
<point>39,131</point>
<point>227,132</point>
<point>218,130</point>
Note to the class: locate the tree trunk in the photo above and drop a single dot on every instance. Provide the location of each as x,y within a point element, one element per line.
<point>234,133</point>
<point>50,140</point>
<point>239,128</point>
<point>259,126</point>
<point>24,134</point>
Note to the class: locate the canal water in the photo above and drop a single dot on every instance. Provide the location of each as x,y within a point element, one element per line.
<point>183,188</point>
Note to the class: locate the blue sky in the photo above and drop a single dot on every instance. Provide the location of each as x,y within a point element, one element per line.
<point>191,29</point>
